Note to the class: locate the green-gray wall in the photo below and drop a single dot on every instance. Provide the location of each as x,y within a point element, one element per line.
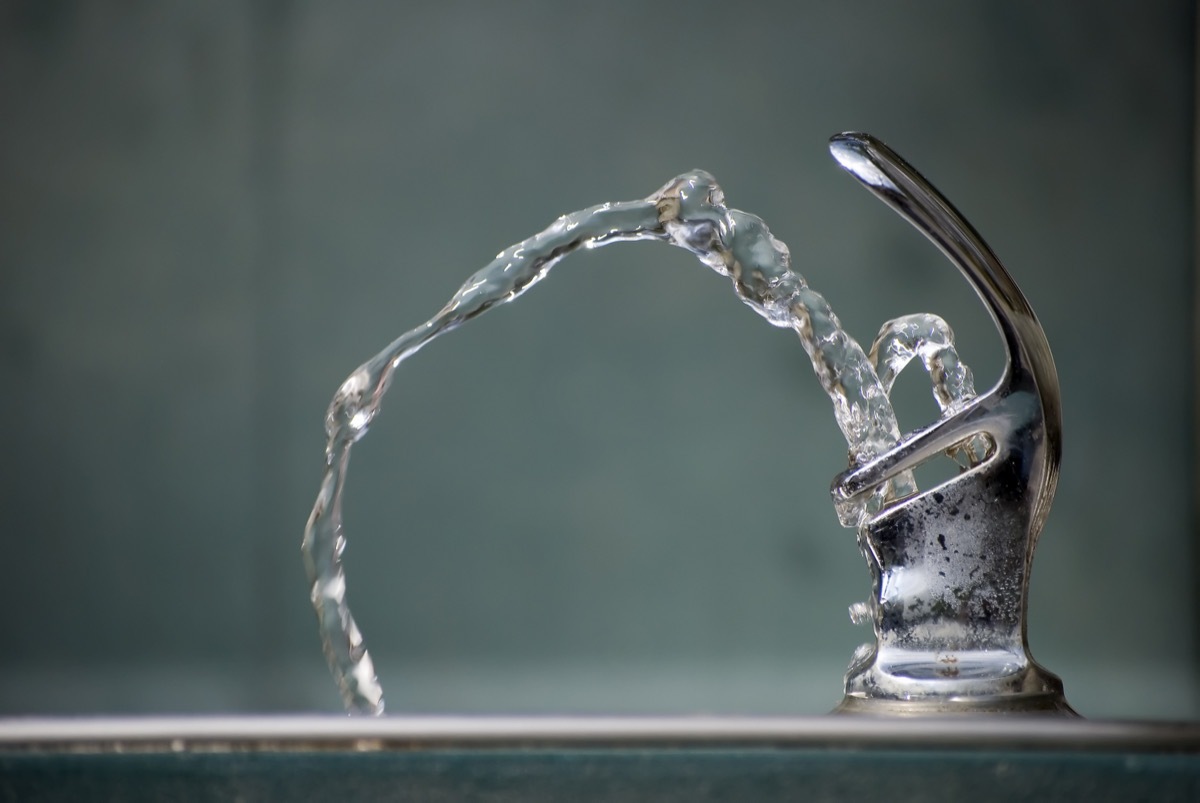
<point>612,495</point>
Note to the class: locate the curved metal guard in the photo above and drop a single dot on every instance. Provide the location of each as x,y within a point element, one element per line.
<point>951,565</point>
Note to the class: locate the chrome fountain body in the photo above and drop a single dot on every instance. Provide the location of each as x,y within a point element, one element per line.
<point>951,564</point>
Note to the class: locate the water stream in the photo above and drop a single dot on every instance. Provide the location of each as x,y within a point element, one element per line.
<point>688,212</point>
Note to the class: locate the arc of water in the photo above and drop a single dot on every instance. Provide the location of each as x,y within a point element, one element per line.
<point>929,338</point>
<point>689,212</point>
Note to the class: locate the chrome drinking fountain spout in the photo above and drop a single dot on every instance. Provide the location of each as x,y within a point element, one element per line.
<point>951,564</point>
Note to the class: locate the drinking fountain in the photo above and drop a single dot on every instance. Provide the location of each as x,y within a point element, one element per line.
<point>945,702</point>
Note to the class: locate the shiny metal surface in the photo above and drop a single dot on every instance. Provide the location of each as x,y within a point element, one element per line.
<point>315,733</point>
<point>530,760</point>
<point>951,564</point>
<point>534,759</point>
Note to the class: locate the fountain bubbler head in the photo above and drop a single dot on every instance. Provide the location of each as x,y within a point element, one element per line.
<point>951,565</point>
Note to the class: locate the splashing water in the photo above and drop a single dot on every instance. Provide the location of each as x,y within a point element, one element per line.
<point>688,212</point>
<point>929,337</point>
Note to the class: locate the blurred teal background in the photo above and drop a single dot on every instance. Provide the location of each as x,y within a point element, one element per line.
<point>611,496</point>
